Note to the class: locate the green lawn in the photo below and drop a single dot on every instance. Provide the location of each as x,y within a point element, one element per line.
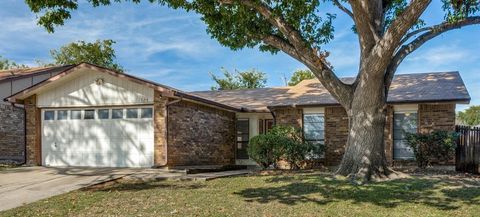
<point>305,194</point>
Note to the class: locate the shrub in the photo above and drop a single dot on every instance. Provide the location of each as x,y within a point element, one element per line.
<point>264,149</point>
<point>429,147</point>
<point>281,142</point>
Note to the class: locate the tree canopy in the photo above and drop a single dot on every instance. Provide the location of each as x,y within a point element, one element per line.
<point>9,64</point>
<point>470,116</point>
<point>300,75</point>
<point>99,52</point>
<point>239,80</point>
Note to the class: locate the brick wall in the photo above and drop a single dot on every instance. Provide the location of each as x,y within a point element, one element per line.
<point>289,116</point>
<point>336,134</point>
<point>433,117</point>
<point>12,134</point>
<point>33,146</point>
<point>436,117</point>
<point>160,129</point>
<point>200,135</point>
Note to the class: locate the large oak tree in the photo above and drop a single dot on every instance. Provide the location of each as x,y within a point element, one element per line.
<point>388,31</point>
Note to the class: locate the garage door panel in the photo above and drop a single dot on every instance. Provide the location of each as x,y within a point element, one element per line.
<point>98,142</point>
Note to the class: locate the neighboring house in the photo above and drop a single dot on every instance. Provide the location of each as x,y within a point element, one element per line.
<point>91,116</point>
<point>12,126</point>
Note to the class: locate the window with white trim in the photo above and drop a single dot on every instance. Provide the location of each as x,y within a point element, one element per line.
<point>403,123</point>
<point>117,113</point>
<point>314,130</point>
<point>49,115</point>
<point>62,115</point>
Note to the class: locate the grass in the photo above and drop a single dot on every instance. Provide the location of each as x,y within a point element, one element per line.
<point>297,194</point>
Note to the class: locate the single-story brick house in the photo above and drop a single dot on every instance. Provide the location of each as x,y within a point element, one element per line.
<point>91,116</point>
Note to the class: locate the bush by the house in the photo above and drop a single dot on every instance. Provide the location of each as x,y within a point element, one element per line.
<point>280,143</point>
<point>430,147</point>
<point>264,149</point>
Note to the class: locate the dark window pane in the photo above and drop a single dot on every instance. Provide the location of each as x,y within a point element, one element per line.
<point>117,113</point>
<point>62,115</point>
<point>76,114</point>
<point>242,138</point>
<point>103,113</point>
<point>49,115</point>
<point>132,113</point>
<point>146,113</point>
<point>89,114</point>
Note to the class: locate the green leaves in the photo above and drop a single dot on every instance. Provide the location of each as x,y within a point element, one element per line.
<point>459,9</point>
<point>99,53</point>
<point>470,116</point>
<point>239,80</point>
<point>9,64</point>
<point>299,76</point>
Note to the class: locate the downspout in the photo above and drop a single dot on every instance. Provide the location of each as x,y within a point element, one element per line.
<point>273,115</point>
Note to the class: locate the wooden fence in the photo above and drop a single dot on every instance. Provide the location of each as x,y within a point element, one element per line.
<point>467,157</point>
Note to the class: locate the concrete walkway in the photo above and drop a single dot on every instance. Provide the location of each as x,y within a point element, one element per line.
<point>155,175</point>
<point>24,185</point>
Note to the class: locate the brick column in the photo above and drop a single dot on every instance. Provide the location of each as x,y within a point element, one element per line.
<point>33,132</point>
<point>160,129</point>
<point>336,134</point>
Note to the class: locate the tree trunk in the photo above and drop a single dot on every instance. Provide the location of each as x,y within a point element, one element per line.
<point>364,156</point>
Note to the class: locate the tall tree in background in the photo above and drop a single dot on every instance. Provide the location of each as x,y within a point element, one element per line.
<point>239,80</point>
<point>300,75</point>
<point>387,30</point>
<point>470,116</point>
<point>99,53</point>
<point>9,64</point>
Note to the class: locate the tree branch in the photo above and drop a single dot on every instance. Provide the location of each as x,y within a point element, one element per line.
<point>296,47</point>
<point>343,8</point>
<point>401,25</point>
<point>432,32</point>
<point>368,17</point>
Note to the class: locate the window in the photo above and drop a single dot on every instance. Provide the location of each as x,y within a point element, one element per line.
<point>76,114</point>
<point>49,115</point>
<point>62,115</point>
<point>264,125</point>
<point>242,138</point>
<point>132,113</point>
<point>89,114</point>
<point>403,122</point>
<point>314,129</point>
<point>117,113</point>
<point>103,113</point>
<point>146,113</point>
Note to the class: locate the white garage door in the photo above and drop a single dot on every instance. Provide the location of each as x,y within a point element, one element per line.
<point>98,137</point>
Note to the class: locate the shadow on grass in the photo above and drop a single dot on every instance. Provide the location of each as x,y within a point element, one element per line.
<point>319,189</point>
<point>139,186</point>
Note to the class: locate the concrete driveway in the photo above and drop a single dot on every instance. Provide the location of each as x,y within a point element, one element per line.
<point>24,185</point>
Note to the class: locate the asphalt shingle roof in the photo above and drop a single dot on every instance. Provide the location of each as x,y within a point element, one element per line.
<point>23,72</point>
<point>405,88</point>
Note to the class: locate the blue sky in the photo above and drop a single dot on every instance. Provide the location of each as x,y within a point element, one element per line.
<point>172,47</point>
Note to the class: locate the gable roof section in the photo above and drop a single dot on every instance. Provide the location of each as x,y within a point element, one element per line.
<point>405,88</point>
<point>165,90</point>
<point>13,74</point>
